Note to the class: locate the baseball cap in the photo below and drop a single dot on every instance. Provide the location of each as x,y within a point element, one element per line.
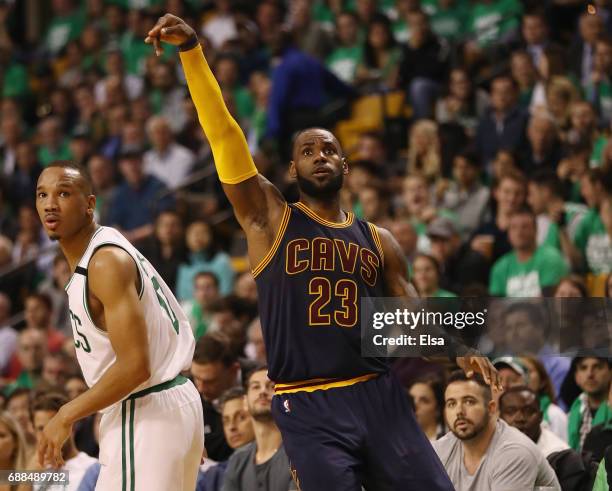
<point>512,363</point>
<point>442,227</point>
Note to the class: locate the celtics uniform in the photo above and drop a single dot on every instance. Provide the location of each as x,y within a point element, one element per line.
<point>153,439</point>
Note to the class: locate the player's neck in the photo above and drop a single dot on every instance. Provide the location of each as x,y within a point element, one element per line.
<point>74,247</point>
<point>267,440</point>
<point>328,209</point>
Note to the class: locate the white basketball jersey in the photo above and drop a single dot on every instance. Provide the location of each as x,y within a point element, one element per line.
<point>171,342</point>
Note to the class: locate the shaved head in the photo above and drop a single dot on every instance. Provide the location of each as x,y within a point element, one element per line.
<point>76,173</point>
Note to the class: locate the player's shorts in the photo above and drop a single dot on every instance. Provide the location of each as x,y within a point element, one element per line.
<point>365,434</point>
<point>153,440</point>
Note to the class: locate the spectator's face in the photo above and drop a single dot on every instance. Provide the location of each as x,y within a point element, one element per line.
<point>503,163</point>
<point>169,229</point>
<point>198,237</point>
<point>212,379</point>
<point>31,349</point>
<point>510,195</point>
<point>583,117</point>
<point>371,149</point>
<point>101,172</point>
<point>460,85</point>
<point>8,444</point>
<point>74,387</point>
<point>318,164</point>
<point>5,308</point>
<point>50,132</point>
<point>443,248</point>
<point>366,9</point>
<point>567,289</point>
<point>378,36</point>
<point>256,339</point>
<point>522,231</point>
<point>425,405</point>
<point>520,332</point>
<point>466,411</point>
<point>534,30</point>
<point>419,26</point>
<point>36,313</point>
<point>536,198</point>
<point>80,148</point>
<point>522,410</point>
<point>509,378</point>
<point>161,135</point>
<point>205,291</point>
<point>590,28</point>
<point>162,77</point>
<point>593,376</point>
<point>25,156</point>
<point>114,63</point>
<point>19,408</point>
<point>259,396</point>
<point>502,94</point>
<point>131,170</point>
<point>534,381</point>
<point>541,134</point>
<point>267,17</point>
<point>114,18</point>
<point>227,72</point>
<point>11,130</point>
<point>53,370</point>
<point>464,172</point>
<point>246,287</point>
<point>603,57</point>
<point>347,30</point>
<point>416,195</point>
<point>371,204</point>
<point>425,275</point>
<point>405,235</point>
<point>237,423</point>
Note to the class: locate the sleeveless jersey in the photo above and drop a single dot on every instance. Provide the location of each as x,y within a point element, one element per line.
<point>171,341</point>
<point>310,287</point>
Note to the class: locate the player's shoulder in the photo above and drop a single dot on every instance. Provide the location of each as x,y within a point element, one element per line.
<point>112,264</point>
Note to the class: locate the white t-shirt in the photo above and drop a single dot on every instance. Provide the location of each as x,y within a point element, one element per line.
<point>76,467</point>
<point>557,421</point>
<point>550,443</point>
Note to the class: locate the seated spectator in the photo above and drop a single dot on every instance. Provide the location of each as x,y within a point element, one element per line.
<point>31,350</point>
<point>378,67</point>
<point>115,67</point>
<point>527,330</point>
<point>482,452</point>
<point>166,96</point>
<point>262,463</point>
<point>18,406</point>
<point>594,237</point>
<point>53,146</point>
<point>582,51</point>
<point>256,348</point>
<point>308,34</point>
<point>55,369</point>
<point>84,429</point>
<point>8,335</point>
<point>213,371</point>
<point>571,286</point>
<point>424,64</point>
<point>491,238</point>
<point>503,126</point>
<point>426,274</point>
<point>424,151</point>
<point>466,195</point>
<point>463,104</point>
<point>38,315</point>
<point>592,375</point>
<point>13,439</point>
<point>204,255</point>
<point>448,19</point>
<point>245,288</point>
<point>53,287</point>
<point>598,90</point>
<point>427,395</point>
<point>529,270</point>
<point>561,94</point>
<point>166,249</point>
<point>167,160</point>
<point>375,206</point>
<point>227,73</point>
<point>136,202</point>
<point>553,417</point>
<point>460,266</point>
<point>205,294</point>
<point>102,172</point>
<point>519,408</point>
<point>220,24</point>
<point>27,169</point>
<point>347,55</point>
<point>406,237</point>
<point>238,430</point>
<point>535,31</point>
<point>544,145</point>
<point>511,370</point>
<point>524,73</point>
<point>67,23</point>
<point>44,408</point>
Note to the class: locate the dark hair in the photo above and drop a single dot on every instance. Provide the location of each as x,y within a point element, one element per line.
<point>505,76</point>
<point>230,395</point>
<point>368,51</point>
<point>514,175</point>
<point>49,401</point>
<point>533,311</point>
<point>524,210</point>
<point>576,281</point>
<point>19,391</point>
<point>556,57</point>
<point>436,384</point>
<point>515,390</point>
<point>431,259</point>
<point>460,376</point>
<point>212,349</point>
<point>84,173</point>
<point>207,274</point>
<point>547,386</point>
<point>41,297</point>
<point>257,368</point>
<point>470,155</point>
<point>548,180</point>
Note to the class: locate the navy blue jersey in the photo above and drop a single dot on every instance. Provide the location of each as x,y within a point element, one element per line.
<point>310,287</point>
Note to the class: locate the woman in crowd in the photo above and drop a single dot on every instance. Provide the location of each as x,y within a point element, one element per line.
<point>12,450</point>
<point>426,276</point>
<point>427,394</point>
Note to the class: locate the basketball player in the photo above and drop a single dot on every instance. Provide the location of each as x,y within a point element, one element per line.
<point>132,341</point>
<point>344,420</point>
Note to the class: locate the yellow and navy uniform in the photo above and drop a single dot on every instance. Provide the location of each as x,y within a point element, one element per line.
<point>310,288</point>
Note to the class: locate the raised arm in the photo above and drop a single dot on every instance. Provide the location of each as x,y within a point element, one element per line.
<point>397,286</point>
<point>258,205</point>
<point>112,279</point>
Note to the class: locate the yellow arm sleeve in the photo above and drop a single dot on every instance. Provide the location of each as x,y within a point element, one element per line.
<point>229,146</point>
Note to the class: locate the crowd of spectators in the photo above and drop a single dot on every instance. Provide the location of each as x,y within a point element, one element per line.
<point>479,132</point>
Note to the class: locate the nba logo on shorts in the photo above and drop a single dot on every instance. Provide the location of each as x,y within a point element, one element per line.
<point>286,406</point>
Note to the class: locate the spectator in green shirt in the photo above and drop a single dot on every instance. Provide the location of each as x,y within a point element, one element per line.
<point>205,295</point>
<point>343,60</point>
<point>594,236</point>
<point>449,19</point>
<point>67,23</point>
<point>226,71</point>
<point>426,275</point>
<point>53,144</point>
<point>528,270</point>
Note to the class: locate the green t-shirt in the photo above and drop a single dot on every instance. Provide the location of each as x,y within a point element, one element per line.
<point>511,278</point>
<point>451,23</point>
<point>601,479</point>
<point>62,30</point>
<point>602,96</point>
<point>488,22</point>
<point>574,212</point>
<point>440,293</point>
<point>322,14</point>
<point>16,82</point>
<point>46,155</point>
<point>594,242</point>
<point>401,31</point>
<point>245,105</point>
<point>136,51</point>
<point>597,153</point>
<point>343,62</point>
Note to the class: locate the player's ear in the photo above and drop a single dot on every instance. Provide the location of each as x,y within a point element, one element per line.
<point>345,167</point>
<point>292,170</point>
<point>91,204</point>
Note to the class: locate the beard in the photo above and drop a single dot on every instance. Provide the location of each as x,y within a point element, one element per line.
<point>260,414</point>
<point>474,431</point>
<point>325,191</point>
